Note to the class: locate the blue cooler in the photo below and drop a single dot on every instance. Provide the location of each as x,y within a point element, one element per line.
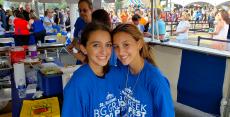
<point>51,85</point>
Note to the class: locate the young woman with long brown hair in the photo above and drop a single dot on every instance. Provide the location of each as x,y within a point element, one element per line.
<point>145,91</point>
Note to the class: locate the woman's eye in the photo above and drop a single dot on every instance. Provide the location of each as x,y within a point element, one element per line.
<point>125,45</point>
<point>96,45</point>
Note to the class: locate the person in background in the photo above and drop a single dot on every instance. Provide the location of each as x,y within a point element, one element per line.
<point>27,11</point>
<point>183,28</point>
<point>92,88</point>
<point>144,84</point>
<point>10,20</point>
<point>102,16</point>
<point>228,37</point>
<point>135,20</point>
<point>211,20</point>
<point>3,16</point>
<point>48,22</point>
<point>221,29</point>
<point>124,16</point>
<point>37,27</point>
<point>161,26</point>
<point>142,20</point>
<point>85,8</point>
<point>21,30</point>
<point>114,18</point>
<point>58,17</point>
<point>67,22</point>
<point>2,30</point>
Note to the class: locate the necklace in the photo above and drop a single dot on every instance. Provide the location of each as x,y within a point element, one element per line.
<point>131,89</point>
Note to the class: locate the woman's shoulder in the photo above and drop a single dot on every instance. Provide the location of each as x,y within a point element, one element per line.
<point>83,70</point>
<point>82,73</point>
<point>80,77</point>
<point>154,74</point>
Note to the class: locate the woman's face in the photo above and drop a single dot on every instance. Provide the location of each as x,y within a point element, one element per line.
<point>126,48</point>
<point>50,13</point>
<point>98,48</point>
<point>85,12</point>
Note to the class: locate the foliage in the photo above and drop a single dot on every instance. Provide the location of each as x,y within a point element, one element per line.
<point>1,1</point>
<point>118,5</point>
<point>61,5</point>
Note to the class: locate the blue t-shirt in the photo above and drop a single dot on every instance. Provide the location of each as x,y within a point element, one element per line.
<point>146,94</point>
<point>87,95</point>
<point>161,27</point>
<point>78,28</point>
<point>141,27</point>
<point>37,26</point>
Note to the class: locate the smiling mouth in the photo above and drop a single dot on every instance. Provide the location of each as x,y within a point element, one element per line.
<point>102,57</point>
<point>123,57</point>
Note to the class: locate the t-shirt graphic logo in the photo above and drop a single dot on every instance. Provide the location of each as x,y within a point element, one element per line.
<point>109,108</point>
<point>130,106</point>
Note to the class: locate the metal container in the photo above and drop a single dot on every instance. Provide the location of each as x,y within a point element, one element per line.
<point>5,67</point>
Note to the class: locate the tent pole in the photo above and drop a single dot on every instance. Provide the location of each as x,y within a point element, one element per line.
<point>153,20</point>
<point>44,6</point>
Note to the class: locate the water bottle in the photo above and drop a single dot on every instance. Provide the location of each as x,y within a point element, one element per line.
<point>21,89</point>
<point>12,44</point>
<point>39,43</point>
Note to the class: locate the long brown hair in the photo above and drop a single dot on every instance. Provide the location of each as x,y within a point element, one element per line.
<point>138,36</point>
<point>225,16</point>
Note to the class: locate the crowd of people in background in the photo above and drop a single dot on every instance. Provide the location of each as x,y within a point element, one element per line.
<point>23,22</point>
<point>56,19</point>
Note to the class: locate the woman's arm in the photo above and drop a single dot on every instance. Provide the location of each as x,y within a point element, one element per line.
<point>162,99</point>
<point>72,104</point>
<point>185,29</point>
<point>219,26</point>
<point>31,21</point>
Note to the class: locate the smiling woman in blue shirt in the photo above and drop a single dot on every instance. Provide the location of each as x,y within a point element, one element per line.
<point>145,91</point>
<point>92,92</point>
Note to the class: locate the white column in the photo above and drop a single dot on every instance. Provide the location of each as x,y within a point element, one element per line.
<point>73,15</point>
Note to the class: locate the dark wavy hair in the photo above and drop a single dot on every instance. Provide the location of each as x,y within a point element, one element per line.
<point>101,16</point>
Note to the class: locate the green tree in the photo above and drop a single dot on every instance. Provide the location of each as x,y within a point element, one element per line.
<point>118,5</point>
<point>1,1</point>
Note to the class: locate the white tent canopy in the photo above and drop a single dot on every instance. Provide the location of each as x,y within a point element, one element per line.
<point>187,2</point>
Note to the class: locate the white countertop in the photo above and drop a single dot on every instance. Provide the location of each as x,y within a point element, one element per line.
<point>190,47</point>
